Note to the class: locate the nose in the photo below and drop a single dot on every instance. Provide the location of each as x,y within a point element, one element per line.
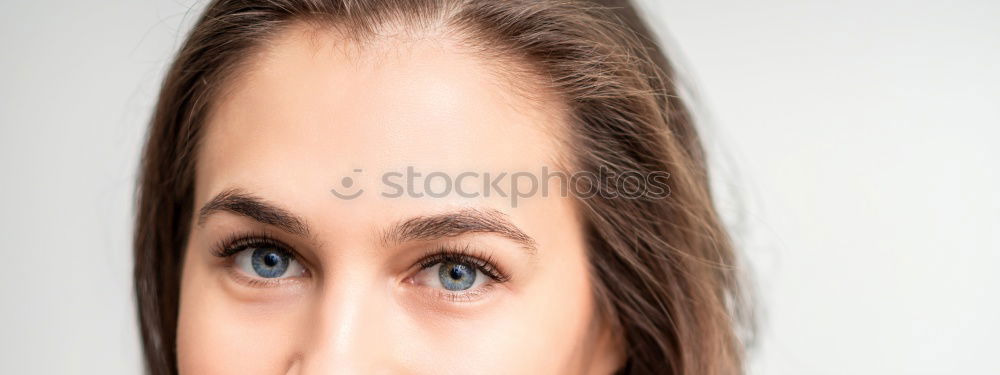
<point>346,331</point>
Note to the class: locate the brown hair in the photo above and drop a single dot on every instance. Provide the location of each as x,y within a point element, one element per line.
<point>663,269</point>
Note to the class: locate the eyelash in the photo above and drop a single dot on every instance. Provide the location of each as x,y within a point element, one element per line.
<point>238,242</point>
<point>483,262</point>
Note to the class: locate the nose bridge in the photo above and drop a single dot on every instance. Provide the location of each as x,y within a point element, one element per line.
<point>344,328</point>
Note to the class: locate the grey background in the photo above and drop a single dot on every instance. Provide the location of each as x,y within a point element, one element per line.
<point>854,145</point>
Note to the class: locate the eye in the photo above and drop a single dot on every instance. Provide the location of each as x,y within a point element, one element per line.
<point>454,272</point>
<point>268,262</point>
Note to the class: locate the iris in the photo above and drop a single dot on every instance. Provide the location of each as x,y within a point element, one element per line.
<point>457,276</point>
<point>270,262</point>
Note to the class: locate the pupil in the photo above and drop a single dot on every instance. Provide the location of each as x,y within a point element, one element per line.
<point>457,272</point>
<point>272,259</point>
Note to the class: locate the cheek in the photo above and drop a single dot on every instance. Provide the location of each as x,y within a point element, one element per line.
<point>219,335</point>
<point>545,326</point>
<point>542,329</point>
<point>557,319</point>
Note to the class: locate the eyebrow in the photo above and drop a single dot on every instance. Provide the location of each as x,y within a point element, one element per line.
<point>455,223</point>
<point>429,227</point>
<point>241,203</point>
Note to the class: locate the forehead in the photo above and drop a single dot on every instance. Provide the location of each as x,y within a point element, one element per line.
<point>312,108</point>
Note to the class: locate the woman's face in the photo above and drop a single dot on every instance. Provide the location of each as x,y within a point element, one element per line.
<point>307,254</point>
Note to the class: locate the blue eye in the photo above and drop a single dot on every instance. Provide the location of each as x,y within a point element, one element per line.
<point>268,262</point>
<point>456,276</point>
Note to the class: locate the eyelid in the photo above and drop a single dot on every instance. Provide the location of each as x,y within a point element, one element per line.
<point>466,295</point>
<point>259,282</point>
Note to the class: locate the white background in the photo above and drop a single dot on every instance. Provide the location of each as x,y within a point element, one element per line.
<point>855,145</point>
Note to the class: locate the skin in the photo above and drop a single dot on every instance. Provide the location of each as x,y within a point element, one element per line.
<point>310,110</point>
